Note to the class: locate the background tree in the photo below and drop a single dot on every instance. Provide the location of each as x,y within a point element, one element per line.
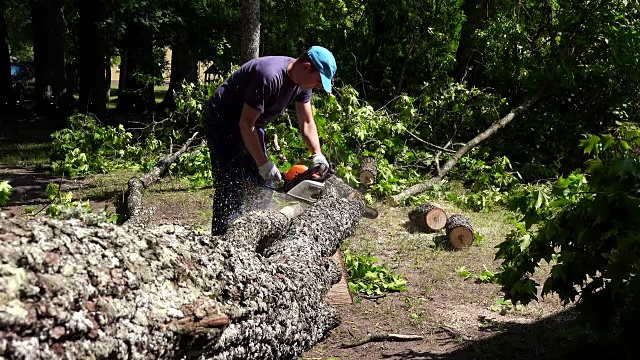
<point>48,51</point>
<point>250,33</point>
<point>92,57</point>
<point>5,62</point>
<point>469,63</point>
<point>200,32</point>
<point>141,52</point>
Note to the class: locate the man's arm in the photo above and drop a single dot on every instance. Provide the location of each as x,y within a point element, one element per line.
<point>308,127</point>
<point>249,134</point>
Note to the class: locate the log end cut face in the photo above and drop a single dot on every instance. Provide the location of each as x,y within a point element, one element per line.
<point>436,219</point>
<point>461,237</point>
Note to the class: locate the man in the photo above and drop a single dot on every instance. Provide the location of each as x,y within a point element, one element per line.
<point>237,113</point>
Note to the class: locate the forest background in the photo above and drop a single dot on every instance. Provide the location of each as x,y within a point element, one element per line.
<point>531,105</point>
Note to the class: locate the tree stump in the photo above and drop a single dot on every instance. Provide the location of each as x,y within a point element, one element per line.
<point>459,231</point>
<point>428,217</point>
<point>368,171</point>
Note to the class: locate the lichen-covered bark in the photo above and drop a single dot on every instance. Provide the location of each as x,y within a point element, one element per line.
<point>69,290</point>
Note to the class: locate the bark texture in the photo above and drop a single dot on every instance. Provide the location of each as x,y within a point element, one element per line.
<point>250,30</point>
<point>73,290</point>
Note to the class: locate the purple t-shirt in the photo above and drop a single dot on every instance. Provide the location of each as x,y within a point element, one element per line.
<point>263,84</point>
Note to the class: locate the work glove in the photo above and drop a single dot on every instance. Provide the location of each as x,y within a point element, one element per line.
<point>270,173</point>
<point>321,162</point>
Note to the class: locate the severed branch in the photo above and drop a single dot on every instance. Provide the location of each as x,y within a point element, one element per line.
<point>429,144</point>
<point>422,187</point>
<point>133,197</point>
<point>380,337</point>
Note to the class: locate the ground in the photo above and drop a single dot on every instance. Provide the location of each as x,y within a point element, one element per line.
<point>458,318</point>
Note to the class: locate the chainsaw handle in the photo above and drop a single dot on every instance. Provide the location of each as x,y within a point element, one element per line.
<point>316,172</point>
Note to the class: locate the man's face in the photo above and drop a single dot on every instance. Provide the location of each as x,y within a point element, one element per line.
<point>311,77</point>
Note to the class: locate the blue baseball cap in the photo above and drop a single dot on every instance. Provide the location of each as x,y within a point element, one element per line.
<point>324,61</point>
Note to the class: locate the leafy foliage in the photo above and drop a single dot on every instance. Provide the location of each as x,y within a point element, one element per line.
<point>367,277</point>
<point>87,147</point>
<point>5,191</point>
<point>195,166</point>
<point>588,226</point>
<point>62,206</point>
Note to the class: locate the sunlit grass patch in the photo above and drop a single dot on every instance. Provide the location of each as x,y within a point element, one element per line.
<point>20,154</point>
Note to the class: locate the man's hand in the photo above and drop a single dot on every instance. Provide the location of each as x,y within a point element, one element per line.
<point>270,172</point>
<point>320,161</point>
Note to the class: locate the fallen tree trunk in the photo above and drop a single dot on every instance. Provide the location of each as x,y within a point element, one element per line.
<point>424,186</point>
<point>75,291</point>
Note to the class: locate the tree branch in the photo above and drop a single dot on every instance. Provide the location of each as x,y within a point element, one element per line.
<point>422,187</point>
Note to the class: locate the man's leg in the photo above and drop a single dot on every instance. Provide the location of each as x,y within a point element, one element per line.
<point>227,198</point>
<point>226,171</point>
<point>258,195</point>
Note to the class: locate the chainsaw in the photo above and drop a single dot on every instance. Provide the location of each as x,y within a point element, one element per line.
<point>307,184</point>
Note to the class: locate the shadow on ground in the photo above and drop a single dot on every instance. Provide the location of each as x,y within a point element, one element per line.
<point>555,337</point>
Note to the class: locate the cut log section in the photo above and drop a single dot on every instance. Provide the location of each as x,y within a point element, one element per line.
<point>368,171</point>
<point>428,217</point>
<point>459,231</point>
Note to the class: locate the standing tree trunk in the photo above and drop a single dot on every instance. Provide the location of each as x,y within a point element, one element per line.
<point>92,57</point>
<point>122,82</point>
<point>183,67</point>
<point>136,93</point>
<point>250,36</point>
<point>48,52</point>
<point>5,65</point>
<point>469,64</point>
<point>107,82</point>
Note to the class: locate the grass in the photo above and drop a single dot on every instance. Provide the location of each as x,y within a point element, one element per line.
<point>24,154</point>
<point>160,92</point>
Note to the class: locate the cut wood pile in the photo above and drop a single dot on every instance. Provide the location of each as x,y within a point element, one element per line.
<point>73,290</point>
<point>429,217</point>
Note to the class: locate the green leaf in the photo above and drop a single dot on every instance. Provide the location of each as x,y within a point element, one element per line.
<point>5,190</point>
<point>607,141</point>
<point>590,144</point>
